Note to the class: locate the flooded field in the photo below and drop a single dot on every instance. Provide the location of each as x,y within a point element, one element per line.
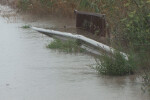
<point>30,71</point>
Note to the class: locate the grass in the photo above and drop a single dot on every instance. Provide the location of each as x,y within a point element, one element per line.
<point>25,26</point>
<point>46,7</point>
<point>68,46</point>
<point>24,4</point>
<point>115,65</point>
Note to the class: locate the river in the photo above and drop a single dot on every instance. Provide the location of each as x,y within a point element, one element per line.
<point>30,71</point>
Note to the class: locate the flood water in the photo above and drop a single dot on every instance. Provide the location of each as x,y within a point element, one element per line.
<point>30,71</point>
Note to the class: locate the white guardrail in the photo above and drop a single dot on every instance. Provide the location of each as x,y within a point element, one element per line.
<point>80,37</point>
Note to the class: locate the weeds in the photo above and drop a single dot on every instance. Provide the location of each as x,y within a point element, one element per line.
<point>136,25</point>
<point>24,4</point>
<point>115,65</point>
<point>47,3</point>
<point>68,46</point>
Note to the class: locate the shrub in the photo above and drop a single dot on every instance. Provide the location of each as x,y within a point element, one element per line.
<point>115,65</point>
<point>136,27</point>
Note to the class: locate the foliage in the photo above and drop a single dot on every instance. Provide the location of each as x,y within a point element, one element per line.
<point>136,28</point>
<point>115,65</point>
<point>47,3</point>
<point>90,5</point>
<point>68,46</point>
<point>24,4</point>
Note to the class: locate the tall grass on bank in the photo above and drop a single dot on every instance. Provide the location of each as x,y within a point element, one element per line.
<point>46,7</point>
<point>68,46</point>
<point>24,4</point>
<point>115,64</point>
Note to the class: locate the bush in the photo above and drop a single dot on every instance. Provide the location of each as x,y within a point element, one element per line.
<point>136,27</point>
<point>115,65</point>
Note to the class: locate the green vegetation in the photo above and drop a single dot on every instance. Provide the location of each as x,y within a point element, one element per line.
<point>115,64</point>
<point>25,26</point>
<point>24,4</point>
<point>68,46</point>
<point>46,6</point>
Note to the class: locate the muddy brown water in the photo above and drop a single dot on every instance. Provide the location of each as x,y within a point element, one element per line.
<point>30,71</point>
